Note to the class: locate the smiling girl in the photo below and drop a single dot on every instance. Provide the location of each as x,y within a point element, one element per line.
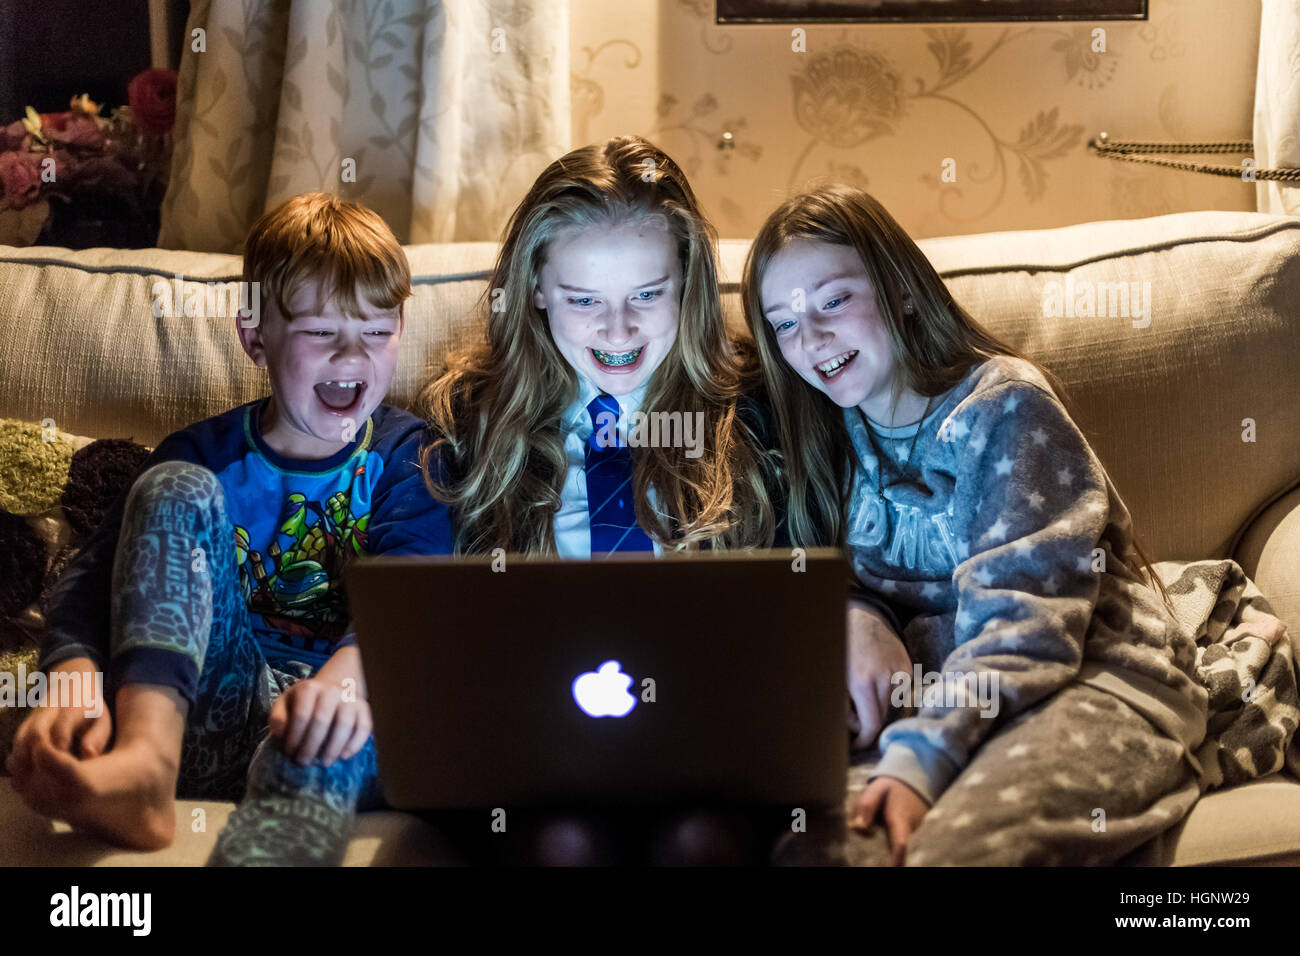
<point>605,286</point>
<point>604,302</point>
<point>970,501</point>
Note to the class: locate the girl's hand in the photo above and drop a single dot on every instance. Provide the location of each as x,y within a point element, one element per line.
<point>901,807</point>
<point>315,718</point>
<point>876,653</point>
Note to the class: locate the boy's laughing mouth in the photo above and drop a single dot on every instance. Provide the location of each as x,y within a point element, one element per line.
<point>341,396</point>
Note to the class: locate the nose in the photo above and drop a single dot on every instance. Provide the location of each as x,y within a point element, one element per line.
<point>815,332</point>
<point>620,324</point>
<point>349,348</point>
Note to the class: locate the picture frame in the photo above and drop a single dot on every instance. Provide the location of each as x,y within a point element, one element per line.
<point>925,11</point>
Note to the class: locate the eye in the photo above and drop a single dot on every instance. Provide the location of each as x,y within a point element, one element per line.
<point>834,302</point>
<point>782,326</point>
<point>656,293</point>
<point>581,301</point>
<point>381,332</point>
<point>318,333</point>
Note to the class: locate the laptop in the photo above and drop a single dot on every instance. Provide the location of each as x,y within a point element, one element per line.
<point>627,680</point>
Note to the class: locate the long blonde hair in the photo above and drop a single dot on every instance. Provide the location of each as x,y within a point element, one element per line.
<point>933,349</point>
<point>497,452</point>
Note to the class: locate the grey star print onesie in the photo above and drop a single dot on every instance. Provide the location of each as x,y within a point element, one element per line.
<point>1009,564</point>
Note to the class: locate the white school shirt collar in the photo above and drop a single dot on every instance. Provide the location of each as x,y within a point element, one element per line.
<point>577,420</point>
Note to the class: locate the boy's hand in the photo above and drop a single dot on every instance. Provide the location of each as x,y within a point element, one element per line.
<point>876,653</point>
<point>317,718</point>
<point>900,805</point>
<point>67,729</point>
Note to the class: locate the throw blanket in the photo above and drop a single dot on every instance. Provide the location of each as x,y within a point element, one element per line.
<point>54,491</point>
<point>1245,659</point>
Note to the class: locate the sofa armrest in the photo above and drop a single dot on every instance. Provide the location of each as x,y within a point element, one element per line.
<point>1269,552</point>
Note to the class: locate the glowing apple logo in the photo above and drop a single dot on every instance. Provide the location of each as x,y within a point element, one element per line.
<point>603,692</point>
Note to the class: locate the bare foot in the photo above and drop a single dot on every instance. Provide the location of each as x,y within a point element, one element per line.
<point>126,797</point>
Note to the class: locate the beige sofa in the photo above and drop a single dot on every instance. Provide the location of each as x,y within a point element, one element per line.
<point>1163,404</point>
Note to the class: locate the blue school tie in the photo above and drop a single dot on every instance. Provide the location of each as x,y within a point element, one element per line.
<point>609,485</point>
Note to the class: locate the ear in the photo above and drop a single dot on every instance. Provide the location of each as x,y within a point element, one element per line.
<point>250,337</point>
<point>539,300</point>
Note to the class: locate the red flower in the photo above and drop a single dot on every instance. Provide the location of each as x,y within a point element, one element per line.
<point>152,96</point>
<point>13,136</point>
<point>20,174</point>
<point>54,121</point>
<point>80,132</point>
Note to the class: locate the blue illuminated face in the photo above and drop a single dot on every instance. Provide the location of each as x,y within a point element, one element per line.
<point>611,300</point>
<point>822,307</point>
<point>328,371</point>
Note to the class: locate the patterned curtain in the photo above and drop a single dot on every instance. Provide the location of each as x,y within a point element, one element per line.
<point>438,115</point>
<point>1277,103</point>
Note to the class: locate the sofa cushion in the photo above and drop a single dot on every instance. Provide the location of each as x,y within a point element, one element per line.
<point>381,838</point>
<point>81,336</point>
<point>1269,553</point>
<point>1256,822</point>
<point>1163,405</point>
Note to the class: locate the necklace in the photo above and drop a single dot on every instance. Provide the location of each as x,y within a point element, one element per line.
<point>901,489</point>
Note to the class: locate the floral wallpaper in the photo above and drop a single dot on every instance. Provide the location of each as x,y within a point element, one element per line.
<point>956,128</point>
